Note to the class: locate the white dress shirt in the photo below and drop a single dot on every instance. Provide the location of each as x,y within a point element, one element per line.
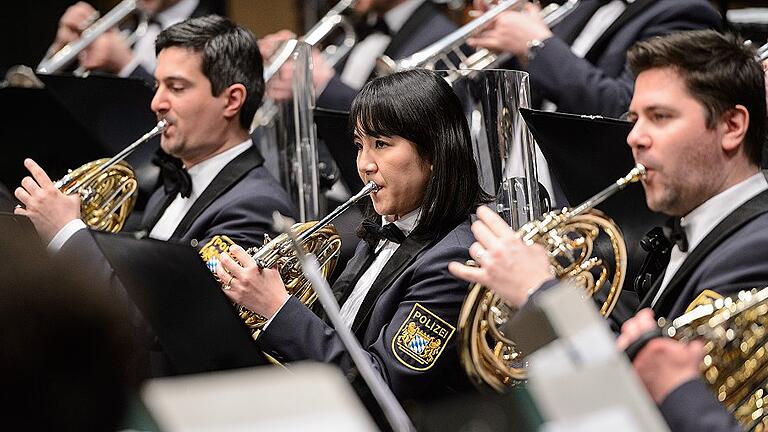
<point>701,220</point>
<point>202,175</point>
<point>384,251</point>
<point>362,58</point>
<point>144,48</point>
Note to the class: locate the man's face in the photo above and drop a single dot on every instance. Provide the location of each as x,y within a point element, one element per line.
<point>683,158</point>
<point>183,97</point>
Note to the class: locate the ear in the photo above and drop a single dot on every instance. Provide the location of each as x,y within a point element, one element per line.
<point>234,99</point>
<point>734,124</point>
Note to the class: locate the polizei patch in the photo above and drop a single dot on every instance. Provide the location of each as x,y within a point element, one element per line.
<point>421,339</point>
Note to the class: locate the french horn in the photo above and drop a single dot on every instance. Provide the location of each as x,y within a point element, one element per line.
<point>489,357</point>
<point>107,187</point>
<point>735,335</point>
<point>318,237</point>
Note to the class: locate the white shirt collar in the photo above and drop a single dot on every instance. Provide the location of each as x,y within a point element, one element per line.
<point>701,220</point>
<point>203,173</point>
<point>176,13</point>
<point>406,223</point>
<point>398,15</point>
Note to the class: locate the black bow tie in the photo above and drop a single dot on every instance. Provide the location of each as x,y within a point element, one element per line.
<point>676,233</point>
<point>175,178</point>
<point>365,27</point>
<point>373,232</point>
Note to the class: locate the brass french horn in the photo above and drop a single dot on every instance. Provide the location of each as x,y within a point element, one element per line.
<point>735,335</point>
<point>489,357</point>
<point>107,187</point>
<point>318,237</point>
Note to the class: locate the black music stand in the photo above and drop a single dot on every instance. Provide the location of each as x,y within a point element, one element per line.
<point>585,155</point>
<point>196,324</point>
<point>332,129</point>
<point>35,125</point>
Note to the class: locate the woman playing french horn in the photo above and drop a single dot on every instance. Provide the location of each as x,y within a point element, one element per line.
<point>396,293</point>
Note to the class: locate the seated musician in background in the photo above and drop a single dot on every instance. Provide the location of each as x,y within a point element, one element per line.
<point>396,293</point>
<point>110,52</point>
<point>209,84</point>
<point>579,66</point>
<point>699,110</point>
<point>396,28</point>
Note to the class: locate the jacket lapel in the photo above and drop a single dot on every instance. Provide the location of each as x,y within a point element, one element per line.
<point>355,268</point>
<point>629,13</point>
<point>402,257</point>
<point>732,223</point>
<point>224,180</point>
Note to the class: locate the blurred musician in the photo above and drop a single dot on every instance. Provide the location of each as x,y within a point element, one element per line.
<point>397,28</point>
<point>209,84</point>
<point>700,120</point>
<point>579,66</point>
<point>396,293</point>
<point>110,52</point>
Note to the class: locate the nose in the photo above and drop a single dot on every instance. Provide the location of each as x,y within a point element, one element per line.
<point>366,164</point>
<point>638,137</point>
<point>160,104</point>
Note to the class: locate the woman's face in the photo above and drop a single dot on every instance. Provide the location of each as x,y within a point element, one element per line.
<point>394,164</point>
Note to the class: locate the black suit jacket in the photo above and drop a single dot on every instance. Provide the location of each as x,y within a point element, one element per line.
<point>238,203</point>
<point>692,407</point>
<point>424,27</point>
<point>414,287</point>
<point>601,83</point>
<point>731,258</point>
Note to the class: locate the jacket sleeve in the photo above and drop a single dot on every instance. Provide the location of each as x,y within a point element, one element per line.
<point>693,408</point>
<point>575,85</point>
<point>336,95</point>
<point>431,295</point>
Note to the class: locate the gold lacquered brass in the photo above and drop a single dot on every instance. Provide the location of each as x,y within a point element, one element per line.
<point>489,357</point>
<point>319,238</point>
<point>325,244</point>
<point>735,333</point>
<point>107,187</point>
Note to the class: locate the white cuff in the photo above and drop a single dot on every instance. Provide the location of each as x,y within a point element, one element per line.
<point>64,234</point>
<point>266,324</point>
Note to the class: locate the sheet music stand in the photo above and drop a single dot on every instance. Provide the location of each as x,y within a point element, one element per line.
<point>196,324</point>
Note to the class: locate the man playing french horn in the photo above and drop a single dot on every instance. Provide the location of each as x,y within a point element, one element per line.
<point>209,84</point>
<point>699,114</point>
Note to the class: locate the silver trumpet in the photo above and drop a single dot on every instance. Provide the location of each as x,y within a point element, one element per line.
<point>762,53</point>
<point>335,19</point>
<point>449,48</point>
<point>63,57</point>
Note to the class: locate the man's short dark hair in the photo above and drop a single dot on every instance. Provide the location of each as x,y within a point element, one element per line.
<point>719,71</point>
<point>420,106</point>
<point>230,56</point>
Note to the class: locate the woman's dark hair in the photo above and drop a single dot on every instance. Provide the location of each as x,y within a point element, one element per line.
<point>420,106</point>
<point>719,71</point>
<point>230,56</point>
